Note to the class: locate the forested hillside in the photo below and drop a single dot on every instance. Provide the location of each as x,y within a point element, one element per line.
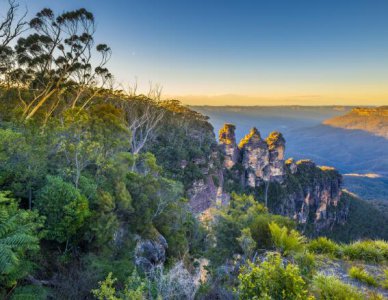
<point>97,187</point>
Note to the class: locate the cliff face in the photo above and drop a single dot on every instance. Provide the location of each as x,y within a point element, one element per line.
<point>262,160</point>
<point>255,158</point>
<point>300,190</point>
<point>373,120</point>
<point>311,195</point>
<point>228,145</point>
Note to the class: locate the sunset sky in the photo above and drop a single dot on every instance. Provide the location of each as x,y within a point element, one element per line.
<point>246,52</point>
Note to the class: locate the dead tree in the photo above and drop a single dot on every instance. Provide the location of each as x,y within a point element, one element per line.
<point>142,116</point>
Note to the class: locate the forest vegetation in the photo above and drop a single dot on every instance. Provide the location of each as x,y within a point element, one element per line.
<point>91,173</point>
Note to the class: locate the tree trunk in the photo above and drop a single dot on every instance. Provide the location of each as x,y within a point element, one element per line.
<point>266,193</point>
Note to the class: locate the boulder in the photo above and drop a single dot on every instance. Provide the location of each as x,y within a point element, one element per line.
<point>150,253</point>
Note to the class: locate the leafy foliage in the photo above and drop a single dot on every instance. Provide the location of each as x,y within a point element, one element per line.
<point>243,213</point>
<point>286,241</point>
<point>18,238</point>
<point>64,207</point>
<point>29,292</point>
<point>271,280</point>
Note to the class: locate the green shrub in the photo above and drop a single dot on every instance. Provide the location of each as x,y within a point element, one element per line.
<point>286,241</point>
<point>106,289</point>
<point>385,282</point>
<point>370,251</point>
<point>271,280</point>
<point>32,292</point>
<point>330,287</point>
<point>307,264</point>
<point>323,245</point>
<point>362,275</point>
<point>260,229</point>
<point>19,239</point>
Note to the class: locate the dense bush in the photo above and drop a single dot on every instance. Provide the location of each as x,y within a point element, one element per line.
<point>64,208</point>
<point>18,239</point>
<point>243,213</point>
<point>271,279</point>
<point>285,240</point>
<point>307,264</point>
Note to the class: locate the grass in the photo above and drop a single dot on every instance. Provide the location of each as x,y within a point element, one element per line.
<point>384,283</point>
<point>323,245</point>
<point>362,275</point>
<point>330,287</point>
<point>368,250</point>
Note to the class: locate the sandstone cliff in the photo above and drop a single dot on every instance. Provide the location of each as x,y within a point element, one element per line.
<point>373,120</point>
<point>262,160</point>
<point>300,190</point>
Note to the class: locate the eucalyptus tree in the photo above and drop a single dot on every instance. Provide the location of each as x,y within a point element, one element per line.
<point>55,62</point>
<point>11,26</point>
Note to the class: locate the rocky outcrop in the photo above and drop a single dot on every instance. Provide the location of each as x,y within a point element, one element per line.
<point>262,160</point>
<point>227,142</point>
<point>312,195</point>
<point>150,253</point>
<point>208,191</point>
<point>202,194</point>
<point>255,158</point>
<point>300,190</point>
<point>276,146</point>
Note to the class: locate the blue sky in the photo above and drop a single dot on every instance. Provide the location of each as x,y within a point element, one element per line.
<point>295,51</point>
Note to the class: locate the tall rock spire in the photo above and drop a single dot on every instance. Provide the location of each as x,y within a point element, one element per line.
<point>255,158</point>
<point>276,146</point>
<point>227,141</point>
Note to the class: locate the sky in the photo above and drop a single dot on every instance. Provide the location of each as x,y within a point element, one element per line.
<point>213,52</point>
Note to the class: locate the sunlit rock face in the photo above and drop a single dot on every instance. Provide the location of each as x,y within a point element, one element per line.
<point>262,160</point>
<point>227,141</point>
<point>276,146</point>
<point>305,192</point>
<point>255,158</point>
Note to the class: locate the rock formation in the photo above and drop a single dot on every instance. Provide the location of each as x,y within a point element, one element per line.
<point>255,158</point>
<point>316,197</point>
<point>300,190</point>
<point>263,160</point>
<point>150,253</point>
<point>227,141</point>
<point>276,146</point>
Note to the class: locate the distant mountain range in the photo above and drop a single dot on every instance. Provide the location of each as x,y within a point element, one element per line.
<point>373,120</point>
